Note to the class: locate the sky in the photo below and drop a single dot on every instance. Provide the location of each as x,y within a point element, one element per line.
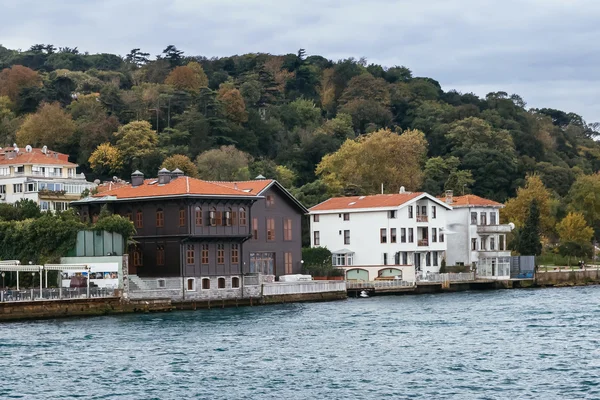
<point>547,51</point>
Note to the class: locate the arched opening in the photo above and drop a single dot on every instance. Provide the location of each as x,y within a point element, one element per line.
<point>357,274</point>
<point>235,282</point>
<point>205,283</point>
<point>221,283</point>
<point>390,273</point>
<point>191,284</point>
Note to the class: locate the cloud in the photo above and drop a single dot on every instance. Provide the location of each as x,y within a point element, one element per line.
<point>541,49</point>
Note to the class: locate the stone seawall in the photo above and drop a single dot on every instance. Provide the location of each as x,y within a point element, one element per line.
<point>39,309</point>
<point>567,277</point>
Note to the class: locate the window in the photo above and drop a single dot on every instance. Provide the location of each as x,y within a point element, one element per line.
<point>441,237</point>
<point>433,235</point>
<point>190,254</point>
<point>161,283</point>
<point>473,218</point>
<point>428,259</point>
<point>2,189</point>
<point>270,200</point>
<point>221,283</point>
<point>383,235</point>
<point>501,242</point>
<point>392,214</point>
<point>316,218</point>
<point>433,212</point>
<point>18,188</point>
<point>288,263</point>
<point>492,218</point>
<point>411,236</point>
<point>342,259</point>
<point>492,243</point>
<point>346,237</point>
<point>316,238</point>
<point>423,210</point>
<point>410,211</point>
<point>198,216</point>
<point>255,228</point>
<point>191,284</point>
<point>287,229</point>
<point>219,218</point>
<point>243,217</point>
<point>385,259</point>
<point>402,235</point>
<point>483,243</point>
<point>160,255</point>
<point>204,254</point>
<point>404,258</point>
<point>160,218</point>
<point>392,235</point>
<point>228,217</point>
<point>235,253</point>
<point>435,258</point>
<point>137,258</point>
<point>473,244</point>
<point>5,171</point>
<point>139,219</point>
<point>483,218</point>
<point>235,282</point>
<point>346,216</point>
<point>212,216</point>
<point>220,254</point>
<point>31,187</point>
<point>270,229</point>
<point>182,217</point>
<point>205,283</point>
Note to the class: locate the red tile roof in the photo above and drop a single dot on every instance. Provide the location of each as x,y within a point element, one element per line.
<point>106,186</point>
<point>35,157</point>
<point>469,200</point>
<point>255,186</point>
<point>359,202</point>
<point>180,186</point>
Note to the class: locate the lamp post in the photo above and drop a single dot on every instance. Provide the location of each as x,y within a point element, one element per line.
<point>32,282</point>
<point>3,275</point>
<point>88,280</point>
<point>41,291</point>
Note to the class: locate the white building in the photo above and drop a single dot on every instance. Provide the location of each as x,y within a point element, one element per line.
<point>476,237</point>
<point>41,175</point>
<point>387,235</point>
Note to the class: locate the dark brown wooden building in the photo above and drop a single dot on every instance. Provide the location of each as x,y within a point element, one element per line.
<point>194,228</point>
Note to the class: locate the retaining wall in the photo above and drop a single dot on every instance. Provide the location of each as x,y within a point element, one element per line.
<point>567,277</point>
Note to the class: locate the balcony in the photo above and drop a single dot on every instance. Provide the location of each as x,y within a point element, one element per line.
<point>505,228</point>
<point>423,242</point>
<point>422,218</point>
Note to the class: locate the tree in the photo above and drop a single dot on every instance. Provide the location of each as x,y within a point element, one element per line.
<point>339,127</point>
<point>575,235</point>
<point>233,103</point>
<point>529,241</point>
<point>183,163</point>
<point>137,58</point>
<point>199,71</point>
<point>186,78</point>
<point>584,198</point>
<point>517,209</point>
<point>136,140</point>
<point>16,78</point>
<point>173,55</point>
<point>382,157</point>
<point>50,126</point>
<point>471,133</point>
<point>224,164</point>
<point>106,160</point>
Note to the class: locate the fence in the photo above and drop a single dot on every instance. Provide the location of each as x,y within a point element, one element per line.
<point>391,284</point>
<point>54,294</point>
<point>274,289</point>
<point>450,277</point>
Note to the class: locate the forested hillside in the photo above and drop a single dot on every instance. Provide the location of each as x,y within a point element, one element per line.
<point>293,117</point>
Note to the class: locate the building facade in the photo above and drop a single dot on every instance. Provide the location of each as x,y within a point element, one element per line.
<point>476,237</point>
<point>41,175</point>
<point>204,232</point>
<point>389,235</point>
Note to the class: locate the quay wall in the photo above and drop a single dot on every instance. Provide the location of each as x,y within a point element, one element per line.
<point>567,277</point>
<point>40,309</point>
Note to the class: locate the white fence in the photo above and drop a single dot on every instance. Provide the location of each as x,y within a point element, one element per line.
<point>450,277</point>
<point>280,288</point>
<point>391,284</point>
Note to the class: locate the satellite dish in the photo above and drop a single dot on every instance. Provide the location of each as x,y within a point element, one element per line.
<point>45,149</point>
<point>16,149</point>
<point>28,148</point>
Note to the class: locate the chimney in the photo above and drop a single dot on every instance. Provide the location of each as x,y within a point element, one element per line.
<point>164,176</point>
<point>235,185</point>
<point>402,190</point>
<point>176,173</point>
<point>137,179</point>
<point>448,196</point>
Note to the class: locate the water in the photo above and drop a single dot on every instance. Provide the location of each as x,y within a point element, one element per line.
<point>514,344</point>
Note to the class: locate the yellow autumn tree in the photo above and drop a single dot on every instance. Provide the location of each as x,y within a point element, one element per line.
<point>233,103</point>
<point>50,126</point>
<point>189,77</point>
<point>183,163</point>
<point>575,235</point>
<point>517,208</point>
<point>106,159</point>
<point>382,157</point>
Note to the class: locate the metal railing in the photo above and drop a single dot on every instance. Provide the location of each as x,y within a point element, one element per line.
<point>422,218</point>
<point>423,242</point>
<point>449,277</point>
<point>396,283</point>
<point>54,294</point>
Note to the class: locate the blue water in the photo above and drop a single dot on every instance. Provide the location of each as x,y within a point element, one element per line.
<point>513,344</point>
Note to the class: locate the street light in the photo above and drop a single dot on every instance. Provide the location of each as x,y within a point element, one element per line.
<point>3,275</point>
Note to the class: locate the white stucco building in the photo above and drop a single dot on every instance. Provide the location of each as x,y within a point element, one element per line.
<point>41,175</point>
<point>386,235</point>
<point>476,237</point>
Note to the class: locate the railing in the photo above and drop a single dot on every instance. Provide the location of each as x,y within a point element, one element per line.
<point>504,228</point>
<point>280,288</point>
<point>423,242</point>
<point>396,283</point>
<point>449,277</point>
<point>422,218</point>
<point>53,294</point>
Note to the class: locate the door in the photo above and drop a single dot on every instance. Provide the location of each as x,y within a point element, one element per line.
<point>418,261</point>
<point>357,274</point>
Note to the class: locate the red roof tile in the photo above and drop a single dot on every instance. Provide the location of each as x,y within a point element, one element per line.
<point>472,200</point>
<point>36,156</point>
<point>359,202</point>
<point>180,186</point>
<point>255,186</point>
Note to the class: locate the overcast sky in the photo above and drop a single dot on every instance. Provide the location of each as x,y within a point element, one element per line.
<point>547,51</point>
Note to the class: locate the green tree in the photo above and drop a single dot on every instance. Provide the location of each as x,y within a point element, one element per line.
<point>584,198</point>
<point>517,208</point>
<point>50,126</point>
<point>224,164</point>
<point>183,163</point>
<point>136,140</point>
<point>529,241</point>
<point>575,236</point>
